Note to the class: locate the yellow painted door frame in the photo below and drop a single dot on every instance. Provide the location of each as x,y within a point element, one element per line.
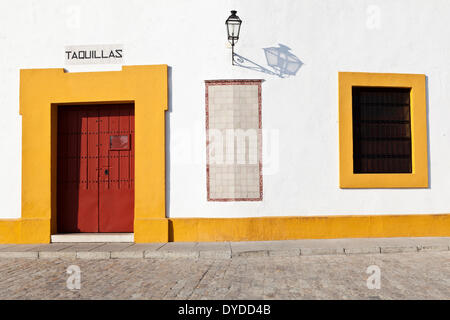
<point>41,92</point>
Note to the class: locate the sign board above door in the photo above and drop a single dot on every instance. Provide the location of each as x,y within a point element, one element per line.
<point>94,54</point>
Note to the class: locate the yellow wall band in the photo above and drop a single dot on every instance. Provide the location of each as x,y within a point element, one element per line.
<point>266,228</point>
<point>289,228</point>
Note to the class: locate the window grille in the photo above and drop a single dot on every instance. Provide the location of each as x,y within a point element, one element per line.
<point>381,130</point>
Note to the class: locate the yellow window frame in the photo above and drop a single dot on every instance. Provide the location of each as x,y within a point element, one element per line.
<point>418,178</point>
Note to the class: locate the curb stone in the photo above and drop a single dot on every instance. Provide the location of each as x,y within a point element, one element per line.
<point>320,251</point>
<point>369,250</point>
<point>250,254</point>
<point>127,254</point>
<point>285,253</point>
<point>434,248</point>
<point>23,254</point>
<point>57,255</point>
<point>170,254</point>
<point>225,250</point>
<point>399,249</point>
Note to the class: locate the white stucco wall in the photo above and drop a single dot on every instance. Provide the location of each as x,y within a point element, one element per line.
<point>411,36</point>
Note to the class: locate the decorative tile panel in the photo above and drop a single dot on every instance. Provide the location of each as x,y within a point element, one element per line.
<point>233,125</point>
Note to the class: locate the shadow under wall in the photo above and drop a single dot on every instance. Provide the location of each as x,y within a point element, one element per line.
<point>167,138</point>
<point>171,236</point>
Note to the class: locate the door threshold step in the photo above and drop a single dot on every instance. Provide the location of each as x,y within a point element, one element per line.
<point>92,237</point>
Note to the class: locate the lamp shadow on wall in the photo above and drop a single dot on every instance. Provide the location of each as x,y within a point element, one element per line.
<point>281,61</point>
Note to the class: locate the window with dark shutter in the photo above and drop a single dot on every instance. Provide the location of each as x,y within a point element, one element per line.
<point>381,130</point>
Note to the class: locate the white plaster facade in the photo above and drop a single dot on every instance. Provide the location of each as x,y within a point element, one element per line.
<point>299,113</point>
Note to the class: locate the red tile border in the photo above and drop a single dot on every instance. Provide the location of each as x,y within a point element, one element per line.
<point>257,82</point>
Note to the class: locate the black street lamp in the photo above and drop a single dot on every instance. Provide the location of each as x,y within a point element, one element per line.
<point>233,28</point>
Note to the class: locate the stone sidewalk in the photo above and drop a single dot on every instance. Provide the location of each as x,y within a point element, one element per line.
<point>225,250</point>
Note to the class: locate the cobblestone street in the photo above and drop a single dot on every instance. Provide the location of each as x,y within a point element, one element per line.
<point>424,275</point>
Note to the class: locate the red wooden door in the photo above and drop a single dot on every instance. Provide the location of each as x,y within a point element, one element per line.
<point>96,168</point>
<point>116,164</point>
